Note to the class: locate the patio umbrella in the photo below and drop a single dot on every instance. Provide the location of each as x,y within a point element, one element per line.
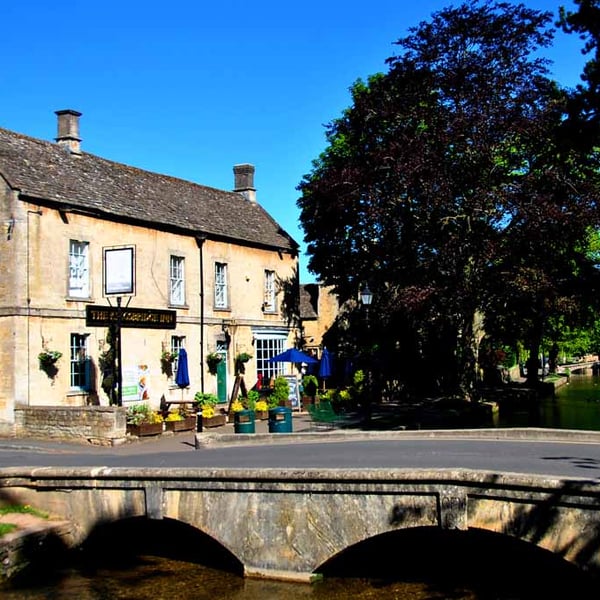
<point>293,355</point>
<point>182,377</point>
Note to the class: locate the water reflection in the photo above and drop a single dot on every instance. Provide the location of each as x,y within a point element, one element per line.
<point>575,406</point>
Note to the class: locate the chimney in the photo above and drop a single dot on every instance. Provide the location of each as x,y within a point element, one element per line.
<point>244,181</point>
<point>68,130</point>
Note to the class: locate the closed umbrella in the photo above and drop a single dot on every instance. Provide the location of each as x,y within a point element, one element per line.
<point>293,355</point>
<point>182,377</point>
<point>325,366</point>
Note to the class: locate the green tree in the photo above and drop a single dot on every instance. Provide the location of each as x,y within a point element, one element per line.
<point>421,179</point>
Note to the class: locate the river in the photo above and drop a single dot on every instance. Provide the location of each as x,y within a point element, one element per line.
<point>576,405</point>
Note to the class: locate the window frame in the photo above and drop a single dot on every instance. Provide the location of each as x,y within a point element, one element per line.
<point>79,367</point>
<point>270,292</point>
<point>221,286</point>
<point>177,280</point>
<point>79,262</point>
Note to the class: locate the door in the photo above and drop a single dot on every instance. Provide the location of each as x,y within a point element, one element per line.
<point>222,372</point>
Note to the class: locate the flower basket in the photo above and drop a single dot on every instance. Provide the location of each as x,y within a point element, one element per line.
<point>215,421</point>
<point>212,361</point>
<point>185,424</point>
<point>144,429</point>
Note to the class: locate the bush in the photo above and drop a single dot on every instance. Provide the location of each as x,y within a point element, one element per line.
<point>281,392</point>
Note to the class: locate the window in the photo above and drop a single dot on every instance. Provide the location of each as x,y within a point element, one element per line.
<point>221,299</point>
<point>269,296</point>
<point>177,342</point>
<point>79,362</point>
<point>267,346</point>
<point>79,269</point>
<point>177,281</point>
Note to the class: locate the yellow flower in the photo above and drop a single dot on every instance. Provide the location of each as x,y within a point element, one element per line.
<point>261,405</point>
<point>208,412</point>
<point>237,406</point>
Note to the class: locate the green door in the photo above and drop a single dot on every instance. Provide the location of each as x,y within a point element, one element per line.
<point>222,378</point>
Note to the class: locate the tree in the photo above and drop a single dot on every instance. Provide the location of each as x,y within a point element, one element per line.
<point>429,175</point>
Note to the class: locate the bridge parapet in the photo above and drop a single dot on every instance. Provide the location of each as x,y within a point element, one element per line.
<point>286,523</point>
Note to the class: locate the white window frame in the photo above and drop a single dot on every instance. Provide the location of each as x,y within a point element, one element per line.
<point>177,280</point>
<point>266,345</point>
<point>79,362</point>
<point>270,295</point>
<point>177,343</point>
<point>79,269</point>
<point>221,287</point>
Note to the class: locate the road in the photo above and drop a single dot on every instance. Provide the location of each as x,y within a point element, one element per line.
<point>553,458</point>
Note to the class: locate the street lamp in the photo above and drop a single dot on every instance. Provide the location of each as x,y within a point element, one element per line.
<point>366,297</point>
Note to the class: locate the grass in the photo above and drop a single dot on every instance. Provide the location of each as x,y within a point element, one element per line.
<point>22,509</point>
<point>18,509</point>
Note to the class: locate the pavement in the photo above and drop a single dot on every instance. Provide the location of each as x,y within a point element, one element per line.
<point>303,431</point>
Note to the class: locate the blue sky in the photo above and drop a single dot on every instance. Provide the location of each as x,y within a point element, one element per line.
<point>190,88</point>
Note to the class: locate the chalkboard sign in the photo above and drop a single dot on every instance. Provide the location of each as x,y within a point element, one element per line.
<point>294,395</point>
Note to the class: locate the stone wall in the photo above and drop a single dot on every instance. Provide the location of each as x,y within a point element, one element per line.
<point>103,425</point>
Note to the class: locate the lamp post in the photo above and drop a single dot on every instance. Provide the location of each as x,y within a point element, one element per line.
<point>366,297</point>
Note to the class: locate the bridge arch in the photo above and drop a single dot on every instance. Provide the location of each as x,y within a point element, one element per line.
<point>111,541</point>
<point>430,554</point>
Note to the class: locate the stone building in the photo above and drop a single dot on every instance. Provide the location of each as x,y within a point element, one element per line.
<point>77,227</point>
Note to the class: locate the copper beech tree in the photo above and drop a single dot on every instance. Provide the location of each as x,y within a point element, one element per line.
<point>444,186</point>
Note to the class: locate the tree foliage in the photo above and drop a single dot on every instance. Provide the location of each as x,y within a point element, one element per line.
<point>445,186</point>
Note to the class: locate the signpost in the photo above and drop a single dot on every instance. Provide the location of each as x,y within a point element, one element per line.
<point>118,276</point>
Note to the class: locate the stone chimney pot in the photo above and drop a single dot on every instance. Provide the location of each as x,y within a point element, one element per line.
<point>244,181</point>
<point>68,130</point>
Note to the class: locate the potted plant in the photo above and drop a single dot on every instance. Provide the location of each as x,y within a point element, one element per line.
<point>261,410</point>
<point>281,393</point>
<point>310,385</point>
<point>142,420</point>
<point>206,404</point>
<point>47,360</point>
<point>236,406</point>
<point>166,362</point>
<point>212,361</point>
<point>240,362</point>
<point>180,420</point>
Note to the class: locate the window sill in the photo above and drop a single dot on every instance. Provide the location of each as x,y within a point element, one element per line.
<point>179,306</point>
<point>76,299</point>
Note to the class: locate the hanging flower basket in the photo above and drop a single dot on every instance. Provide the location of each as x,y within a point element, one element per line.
<point>240,362</point>
<point>166,363</point>
<point>212,360</point>
<point>47,360</point>
<point>48,357</point>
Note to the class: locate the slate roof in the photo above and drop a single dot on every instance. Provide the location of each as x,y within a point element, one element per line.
<point>46,172</point>
<point>309,297</point>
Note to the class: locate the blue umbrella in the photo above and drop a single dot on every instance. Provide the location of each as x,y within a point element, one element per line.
<point>293,356</point>
<point>182,377</point>
<point>325,368</point>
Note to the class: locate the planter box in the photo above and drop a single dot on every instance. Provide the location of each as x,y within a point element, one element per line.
<point>215,421</point>
<point>145,429</point>
<point>186,424</point>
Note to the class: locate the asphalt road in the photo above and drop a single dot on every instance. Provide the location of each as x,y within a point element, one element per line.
<point>553,458</point>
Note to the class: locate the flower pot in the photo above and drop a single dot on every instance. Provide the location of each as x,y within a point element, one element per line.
<point>215,421</point>
<point>261,415</point>
<point>145,429</point>
<point>186,424</point>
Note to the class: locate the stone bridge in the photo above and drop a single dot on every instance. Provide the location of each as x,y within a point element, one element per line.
<point>285,524</point>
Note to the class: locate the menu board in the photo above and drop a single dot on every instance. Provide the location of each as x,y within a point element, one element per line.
<point>294,395</point>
